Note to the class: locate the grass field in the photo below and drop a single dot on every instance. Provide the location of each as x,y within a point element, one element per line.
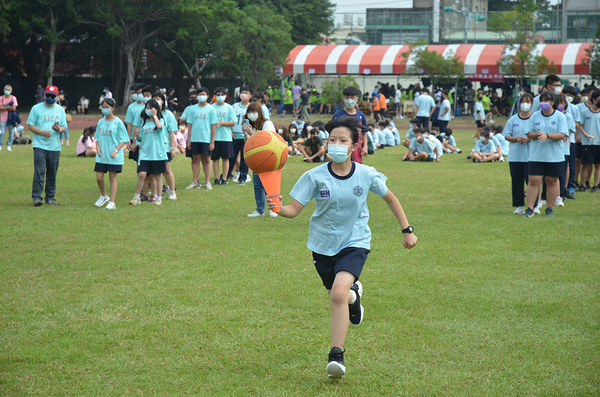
<point>194,298</point>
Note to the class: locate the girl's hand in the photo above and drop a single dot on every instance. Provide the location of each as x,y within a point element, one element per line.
<point>99,152</point>
<point>173,153</point>
<point>542,137</point>
<point>274,202</point>
<point>409,240</point>
<point>113,154</point>
<point>154,112</point>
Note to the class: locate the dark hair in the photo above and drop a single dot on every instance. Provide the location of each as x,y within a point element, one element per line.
<point>193,92</point>
<point>526,96</point>
<point>419,131</point>
<point>448,132</point>
<point>152,103</point>
<point>569,90</point>
<point>414,121</point>
<point>260,121</point>
<point>499,129</point>
<point>384,123</point>
<point>247,88</point>
<point>148,88</point>
<point>350,91</point>
<point>549,96</point>
<point>161,96</point>
<point>486,129</point>
<point>551,79</point>
<point>350,123</point>
<point>88,132</point>
<point>221,90</point>
<point>204,89</point>
<point>294,127</point>
<point>284,132</point>
<point>111,102</point>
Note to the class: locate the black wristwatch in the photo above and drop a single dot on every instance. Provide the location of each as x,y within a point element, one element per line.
<point>409,229</point>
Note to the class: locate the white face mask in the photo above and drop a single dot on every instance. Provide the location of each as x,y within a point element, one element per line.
<point>220,98</point>
<point>584,99</point>
<point>252,116</point>
<point>280,131</point>
<point>202,98</point>
<point>159,102</point>
<point>293,130</point>
<point>146,99</point>
<point>525,107</point>
<point>557,90</point>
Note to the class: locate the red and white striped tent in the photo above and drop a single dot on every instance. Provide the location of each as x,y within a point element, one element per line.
<point>479,59</point>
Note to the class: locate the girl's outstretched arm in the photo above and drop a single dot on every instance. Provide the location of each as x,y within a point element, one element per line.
<point>409,240</point>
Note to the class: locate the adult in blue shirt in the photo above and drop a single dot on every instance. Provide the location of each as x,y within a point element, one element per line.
<point>424,108</point>
<point>46,120</point>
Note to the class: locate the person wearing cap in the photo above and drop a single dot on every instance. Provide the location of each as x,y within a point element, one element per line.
<point>46,121</point>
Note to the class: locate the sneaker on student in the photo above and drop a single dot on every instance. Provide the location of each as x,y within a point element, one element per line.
<point>151,200</point>
<point>248,179</point>
<point>335,365</point>
<point>255,214</point>
<point>296,151</point>
<point>569,195</point>
<point>217,182</point>
<point>549,212</point>
<point>111,206</point>
<point>37,202</point>
<point>559,202</point>
<point>272,214</point>
<point>207,186</point>
<point>594,189</point>
<point>223,182</point>
<point>572,191</point>
<point>519,211</point>
<point>501,159</point>
<point>528,213</point>
<point>536,210</point>
<point>458,151</point>
<point>144,199</point>
<point>158,201</point>
<point>492,121</point>
<point>356,309</point>
<point>241,182</point>
<point>9,149</point>
<point>101,201</point>
<point>173,196</point>
<point>52,201</point>
<point>135,201</point>
<point>193,186</point>
<point>236,176</point>
<point>542,202</point>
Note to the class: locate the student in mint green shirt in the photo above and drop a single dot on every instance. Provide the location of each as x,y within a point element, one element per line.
<point>223,136</point>
<point>152,159</point>
<point>111,137</point>
<point>46,121</point>
<point>169,142</point>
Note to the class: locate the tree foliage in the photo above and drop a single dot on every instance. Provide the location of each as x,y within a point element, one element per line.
<point>439,69</point>
<point>592,57</point>
<point>332,90</point>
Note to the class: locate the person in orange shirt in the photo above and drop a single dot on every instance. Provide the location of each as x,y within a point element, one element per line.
<point>376,107</point>
<point>382,106</point>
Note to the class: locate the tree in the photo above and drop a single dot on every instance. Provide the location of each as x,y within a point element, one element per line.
<point>4,27</point>
<point>592,57</point>
<point>310,19</point>
<point>517,27</point>
<point>332,90</point>
<point>430,64</point>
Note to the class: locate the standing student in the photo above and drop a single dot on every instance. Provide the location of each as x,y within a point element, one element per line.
<point>563,106</point>
<point>350,100</point>
<point>288,103</point>
<point>551,84</point>
<point>111,136</point>
<point>546,129</point>
<point>424,108</point>
<point>339,235</point>
<point>46,121</point>
<point>382,106</point>
<point>237,161</point>
<point>376,106</point>
<point>152,156</point>
<point>486,102</point>
<point>515,132</point>
<point>223,136</point>
<point>478,115</point>
<point>134,110</point>
<point>202,125</point>
<point>296,92</point>
<point>8,105</point>
<point>146,95</point>
<point>256,122</point>
<point>590,149</point>
<point>305,99</point>
<point>171,128</point>
<point>398,108</point>
<point>570,93</point>
<point>445,114</point>
<point>586,93</point>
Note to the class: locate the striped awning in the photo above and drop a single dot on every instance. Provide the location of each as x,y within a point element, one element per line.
<point>386,59</point>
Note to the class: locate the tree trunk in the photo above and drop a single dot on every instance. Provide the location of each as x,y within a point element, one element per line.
<point>51,58</point>
<point>128,48</point>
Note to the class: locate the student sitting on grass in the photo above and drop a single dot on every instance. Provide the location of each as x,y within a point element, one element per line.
<point>449,142</point>
<point>86,145</point>
<point>410,133</point>
<point>504,144</point>
<point>485,149</point>
<point>388,135</point>
<point>421,149</point>
<point>313,148</point>
<point>433,137</point>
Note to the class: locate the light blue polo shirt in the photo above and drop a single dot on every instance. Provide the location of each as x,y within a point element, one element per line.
<point>502,142</point>
<point>109,135</point>
<point>591,124</point>
<point>550,151</point>
<point>410,134</point>
<point>341,217</point>
<point>516,126</point>
<point>225,114</point>
<point>389,137</point>
<point>201,119</point>
<point>426,146</point>
<point>445,108</point>
<point>44,117</point>
<point>489,147</point>
<point>425,104</point>
<point>478,111</point>
<point>571,131</point>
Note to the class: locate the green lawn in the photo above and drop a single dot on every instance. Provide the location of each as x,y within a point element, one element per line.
<point>194,298</point>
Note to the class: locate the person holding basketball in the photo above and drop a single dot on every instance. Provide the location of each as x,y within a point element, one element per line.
<point>339,235</point>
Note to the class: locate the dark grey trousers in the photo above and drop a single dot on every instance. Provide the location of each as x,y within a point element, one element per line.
<point>45,164</point>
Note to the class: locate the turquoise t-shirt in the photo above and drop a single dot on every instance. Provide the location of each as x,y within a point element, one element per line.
<point>341,217</point>
<point>265,111</point>
<point>425,104</point>
<point>489,147</point>
<point>44,117</point>
<point>109,134</point>
<point>172,126</point>
<point>133,110</point>
<point>426,146</point>
<point>201,119</point>
<point>240,112</point>
<point>225,114</point>
<point>516,126</point>
<point>591,124</point>
<point>153,141</point>
<point>550,151</point>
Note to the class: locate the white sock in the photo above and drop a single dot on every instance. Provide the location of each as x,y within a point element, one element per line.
<point>136,196</point>
<point>105,196</point>
<point>353,297</point>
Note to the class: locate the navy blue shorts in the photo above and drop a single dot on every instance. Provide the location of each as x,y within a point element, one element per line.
<point>104,168</point>
<point>133,155</point>
<point>480,123</point>
<point>429,158</point>
<point>537,168</point>
<point>349,259</point>
<point>222,150</point>
<point>200,148</point>
<point>153,167</point>
<point>169,156</point>
<point>590,154</point>
<point>84,154</point>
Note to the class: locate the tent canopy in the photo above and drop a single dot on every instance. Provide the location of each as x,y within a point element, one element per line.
<point>386,59</point>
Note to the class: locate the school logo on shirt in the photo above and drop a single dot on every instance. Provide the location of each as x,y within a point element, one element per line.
<point>358,191</point>
<point>325,193</point>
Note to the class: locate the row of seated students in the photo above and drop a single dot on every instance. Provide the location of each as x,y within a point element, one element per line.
<point>428,145</point>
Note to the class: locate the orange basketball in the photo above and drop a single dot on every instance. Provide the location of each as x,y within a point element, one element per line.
<point>265,151</point>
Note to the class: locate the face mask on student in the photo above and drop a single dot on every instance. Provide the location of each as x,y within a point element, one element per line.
<point>244,97</point>
<point>220,98</point>
<point>584,99</point>
<point>146,99</point>
<point>338,153</point>
<point>202,98</point>
<point>560,108</point>
<point>252,116</point>
<point>545,106</point>
<point>149,112</point>
<point>293,130</point>
<point>557,90</point>
<point>159,102</point>
<point>569,99</point>
<point>280,131</point>
<point>194,101</point>
<point>105,111</point>
<point>350,103</point>
<point>482,138</point>
<point>525,107</point>
<point>182,128</point>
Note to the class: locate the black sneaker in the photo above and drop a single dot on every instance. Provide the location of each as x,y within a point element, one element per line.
<point>549,212</point>
<point>335,366</point>
<point>576,185</point>
<point>37,202</point>
<point>52,201</point>
<point>223,182</point>
<point>569,196</point>
<point>143,199</point>
<point>241,182</point>
<point>581,188</point>
<point>528,213</point>
<point>594,189</point>
<point>356,310</point>
<point>217,182</point>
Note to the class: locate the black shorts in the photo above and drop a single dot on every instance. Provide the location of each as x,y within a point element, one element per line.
<point>429,157</point>
<point>578,150</point>
<point>153,167</point>
<point>590,154</point>
<point>480,123</point>
<point>133,155</point>
<point>486,112</point>
<point>169,156</point>
<point>222,150</point>
<point>276,102</point>
<point>200,148</point>
<point>349,259</point>
<point>104,168</point>
<point>84,154</point>
<point>288,108</point>
<point>537,168</point>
